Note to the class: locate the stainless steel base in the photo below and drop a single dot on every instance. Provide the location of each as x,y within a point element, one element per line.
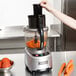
<point>40,63</point>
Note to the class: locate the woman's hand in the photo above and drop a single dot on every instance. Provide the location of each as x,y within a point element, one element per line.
<point>45,4</point>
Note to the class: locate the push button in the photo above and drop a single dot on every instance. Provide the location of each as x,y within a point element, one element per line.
<point>36,55</point>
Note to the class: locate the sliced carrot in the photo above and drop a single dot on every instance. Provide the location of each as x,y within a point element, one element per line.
<point>0,63</point>
<point>37,45</point>
<point>66,75</point>
<point>68,65</point>
<point>32,44</point>
<point>44,43</point>
<point>70,69</point>
<point>61,69</point>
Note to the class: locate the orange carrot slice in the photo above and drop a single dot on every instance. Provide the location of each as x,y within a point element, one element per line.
<point>32,44</point>
<point>70,70</point>
<point>68,65</point>
<point>66,75</point>
<point>61,69</point>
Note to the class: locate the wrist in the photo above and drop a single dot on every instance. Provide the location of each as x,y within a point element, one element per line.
<point>52,10</point>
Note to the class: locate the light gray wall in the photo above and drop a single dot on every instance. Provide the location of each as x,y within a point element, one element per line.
<point>15,12</point>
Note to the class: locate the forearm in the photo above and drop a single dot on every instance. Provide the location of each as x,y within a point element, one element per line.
<point>69,21</point>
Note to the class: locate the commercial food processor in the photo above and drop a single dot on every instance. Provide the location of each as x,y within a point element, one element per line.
<point>38,57</point>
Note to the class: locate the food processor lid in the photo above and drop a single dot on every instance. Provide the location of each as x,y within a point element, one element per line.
<point>36,20</point>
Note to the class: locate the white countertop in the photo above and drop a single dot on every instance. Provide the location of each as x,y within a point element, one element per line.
<point>17,31</point>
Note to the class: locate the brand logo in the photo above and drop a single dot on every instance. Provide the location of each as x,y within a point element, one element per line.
<point>44,62</point>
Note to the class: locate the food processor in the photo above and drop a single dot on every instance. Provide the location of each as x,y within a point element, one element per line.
<point>37,56</point>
